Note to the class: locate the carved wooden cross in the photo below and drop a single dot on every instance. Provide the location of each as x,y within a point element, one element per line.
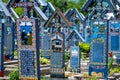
<point>26,5</point>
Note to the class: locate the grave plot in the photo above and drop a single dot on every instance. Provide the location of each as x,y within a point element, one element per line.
<point>28,48</point>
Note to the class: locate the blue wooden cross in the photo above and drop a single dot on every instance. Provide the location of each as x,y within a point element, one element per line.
<point>99,47</point>
<point>99,44</point>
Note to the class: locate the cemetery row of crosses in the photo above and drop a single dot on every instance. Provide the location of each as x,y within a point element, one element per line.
<point>46,41</point>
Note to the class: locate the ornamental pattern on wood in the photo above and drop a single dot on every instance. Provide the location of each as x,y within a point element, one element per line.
<point>28,48</point>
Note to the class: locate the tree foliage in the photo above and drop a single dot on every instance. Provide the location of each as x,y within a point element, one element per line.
<point>14,75</point>
<point>85,47</point>
<point>5,1</point>
<point>64,5</point>
<point>19,11</point>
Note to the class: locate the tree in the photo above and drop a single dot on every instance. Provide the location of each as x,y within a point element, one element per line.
<point>64,5</point>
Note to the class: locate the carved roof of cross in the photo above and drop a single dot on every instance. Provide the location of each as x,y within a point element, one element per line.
<point>12,2</point>
<point>27,5</point>
<point>89,5</point>
<point>49,8</point>
<point>70,12</point>
<point>61,15</point>
<point>100,11</point>
<point>4,11</point>
<point>72,34</point>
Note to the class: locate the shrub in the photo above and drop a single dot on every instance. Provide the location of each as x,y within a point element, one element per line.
<point>85,47</point>
<point>43,78</point>
<point>14,75</point>
<point>19,11</point>
<point>115,70</point>
<point>67,57</point>
<point>44,61</point>
<point>110,62</point>
<point>94,78</point>
<point>15,53</point>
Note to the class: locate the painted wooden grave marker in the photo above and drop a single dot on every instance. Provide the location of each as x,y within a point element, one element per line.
<point>99,47</point>
<point>75,58</point>
<point>45,45</point>
<point>114,36</point>
<point>28,48</point>
<point>57,55</point>
<point>9,40</point>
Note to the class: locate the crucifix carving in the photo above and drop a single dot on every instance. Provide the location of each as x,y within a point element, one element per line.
<point>26,5</point>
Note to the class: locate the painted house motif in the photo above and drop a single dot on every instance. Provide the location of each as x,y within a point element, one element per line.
<point>74,38</point>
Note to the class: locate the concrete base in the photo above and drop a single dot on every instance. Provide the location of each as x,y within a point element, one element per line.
<point>1,73</point>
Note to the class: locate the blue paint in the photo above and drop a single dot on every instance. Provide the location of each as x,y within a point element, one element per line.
<point>57,56</point>
<point>114,38</point>
<point>29,64</point>
<point>75,58</point>
<point>2,48</point>
<point>13,36</point>
<point>97,52</point>
<point>115,43</point>
<point>99,48</point>
<point>45,45</point>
